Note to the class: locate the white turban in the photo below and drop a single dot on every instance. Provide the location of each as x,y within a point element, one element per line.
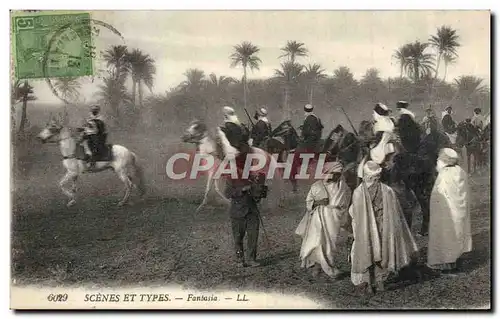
<point>448,156</point>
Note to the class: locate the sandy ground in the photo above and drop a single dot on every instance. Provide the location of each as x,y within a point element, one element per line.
<point>162,240</point>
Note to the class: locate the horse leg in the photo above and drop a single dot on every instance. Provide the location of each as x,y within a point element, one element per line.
<point>69,177</point>
<point>128,185</point>
<point>207,189</point>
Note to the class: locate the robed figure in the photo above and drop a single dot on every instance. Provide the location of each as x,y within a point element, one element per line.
<point>383,243</point>
<point>450,225</point>
<point>326,213</point>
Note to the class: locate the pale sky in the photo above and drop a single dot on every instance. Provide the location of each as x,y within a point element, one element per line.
<point>360,40</point>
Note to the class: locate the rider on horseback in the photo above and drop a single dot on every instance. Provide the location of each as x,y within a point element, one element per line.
<point>449,125</point>
<point>94,135</point>
<point>477,119</point>
<point>262,128</point>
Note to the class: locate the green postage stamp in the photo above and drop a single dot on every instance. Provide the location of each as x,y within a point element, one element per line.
<point>52,44</point>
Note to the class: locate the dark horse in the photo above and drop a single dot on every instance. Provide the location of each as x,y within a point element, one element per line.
<point>470,137</point>
<point>282,141</point>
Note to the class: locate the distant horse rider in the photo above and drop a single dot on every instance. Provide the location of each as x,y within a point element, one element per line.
<point>312,130</point>
<point>262,128</point>
<point>449,125</point>
<point>407,128</point>
<point>94,135</point>
<point>477,119</point>
<point>236,133</point>
<point>343,146</point>
<point>430,115</point>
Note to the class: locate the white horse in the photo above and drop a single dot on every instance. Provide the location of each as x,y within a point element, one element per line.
<point>206,144</point>
<point>122,161</point>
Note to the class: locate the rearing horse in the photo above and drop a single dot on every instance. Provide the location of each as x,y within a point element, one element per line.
<point>122,161</point>
<point>217,145</point>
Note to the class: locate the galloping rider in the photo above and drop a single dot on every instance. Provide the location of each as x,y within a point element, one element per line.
<point>94,134</point>
<point>262,128</point>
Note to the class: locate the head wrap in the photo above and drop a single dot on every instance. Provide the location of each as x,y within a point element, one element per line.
<point>383,122</point>
<point>228,110</point>
<point>262,111</point>
<point>381,109</point>
<point>230,115</point>
<point>448,156</point>
<point>371,170</point>
<point>339,128</point>
<point>333,167</point>
<point>402,104</point>
<point>308,108</point>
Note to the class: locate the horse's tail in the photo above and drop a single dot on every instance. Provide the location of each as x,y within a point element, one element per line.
<point>139,175</point>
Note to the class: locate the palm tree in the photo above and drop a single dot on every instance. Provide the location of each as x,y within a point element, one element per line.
<point>288,75</point>
<point>448,59</point>
<point>195,80</point>
<point>143,70</point>
<point>469,86</point>
<point>293,49</point>
<point>372,85</point>
<point>313,74</point>
<point>343,86</point>
<point>116,58</point>
<point>245,54</point>
<point>420,63</point>
<point>402,55</point>
<point>113,93</point>
<point>446,43</point>
<point>219,87</point>
<point>22,92</point>
<point>221,82</point>
<point>68,88</point>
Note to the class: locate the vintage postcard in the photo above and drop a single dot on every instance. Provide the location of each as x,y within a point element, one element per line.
<point>250,159</point>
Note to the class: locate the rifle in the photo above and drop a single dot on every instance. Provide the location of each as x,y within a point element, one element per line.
<point>249,118</point>
<point>348,119</point>
<point>347,116</point>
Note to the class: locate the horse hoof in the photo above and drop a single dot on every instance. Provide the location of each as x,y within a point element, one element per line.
<point>71,203</point>
<point>120,204</point>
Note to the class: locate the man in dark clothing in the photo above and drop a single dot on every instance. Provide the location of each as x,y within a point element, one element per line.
<point>312,129</point>
<point>95,135</point>
<point>262,128</point>
<point>244,215</point>
<point>432,142</point>
<point>407,128</point>
<point>343,146</point>
<point>449,126</point>
<point>236,133</point>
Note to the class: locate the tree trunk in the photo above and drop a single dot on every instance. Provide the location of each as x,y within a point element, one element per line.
<point>288,112</point>
<point>445,70</point>
<point>311,95</point>
<point>22,123</point>
<point>134,89</point>
<point>245,86</point>
<point>139,88</point>
<point>437,65</point>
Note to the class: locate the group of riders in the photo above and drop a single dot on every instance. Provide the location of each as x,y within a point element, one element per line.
<point>406,149</point>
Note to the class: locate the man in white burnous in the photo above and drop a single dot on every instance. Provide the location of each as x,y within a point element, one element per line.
<point>383,243</point>
<point>450,226</point>
<point>326,213</point>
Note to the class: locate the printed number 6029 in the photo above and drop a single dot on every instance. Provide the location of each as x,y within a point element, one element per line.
<point>57,297</point>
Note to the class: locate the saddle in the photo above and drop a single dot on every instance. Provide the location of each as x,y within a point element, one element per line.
<point>105,153</point>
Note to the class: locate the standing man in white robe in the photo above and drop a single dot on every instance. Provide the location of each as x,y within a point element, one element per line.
<point>383,243</point>
<point>326,213</point>
<point>450,225</point>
